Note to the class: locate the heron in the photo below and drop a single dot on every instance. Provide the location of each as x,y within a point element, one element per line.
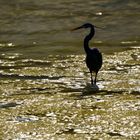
<point>93,55</point>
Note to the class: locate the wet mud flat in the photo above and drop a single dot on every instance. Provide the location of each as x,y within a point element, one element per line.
<point>52,98</point>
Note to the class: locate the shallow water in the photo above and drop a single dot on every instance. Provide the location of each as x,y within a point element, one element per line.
<point>53,98</point>
<point>45,90</point>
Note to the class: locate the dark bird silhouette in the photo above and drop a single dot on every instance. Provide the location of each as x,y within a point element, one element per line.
<point>93,56</point>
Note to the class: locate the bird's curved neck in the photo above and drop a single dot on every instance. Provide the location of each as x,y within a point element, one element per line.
<point>88,38</point>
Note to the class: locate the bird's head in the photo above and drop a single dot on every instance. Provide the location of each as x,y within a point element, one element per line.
<point>86,25</point>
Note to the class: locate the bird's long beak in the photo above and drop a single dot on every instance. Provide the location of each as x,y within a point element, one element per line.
<point>99,27</point>
<point>77,28</point>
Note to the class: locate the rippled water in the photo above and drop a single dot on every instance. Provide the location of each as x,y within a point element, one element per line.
<point>53,98</point>
<point>40,28</point>
<point>45,90</point>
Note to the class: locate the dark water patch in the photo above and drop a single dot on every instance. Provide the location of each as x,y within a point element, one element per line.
<point>114,134</point>
<point>134,92</point>
<point>8,105</point>
<point>37,114</point>
<point>102,92</point>
<point>28,77</point>
<point>70,90</point>
<point>35,89</point>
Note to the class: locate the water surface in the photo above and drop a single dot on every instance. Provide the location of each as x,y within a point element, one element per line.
<point>45,90</point>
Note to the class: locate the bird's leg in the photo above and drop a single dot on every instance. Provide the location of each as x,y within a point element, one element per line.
<point>95,78</point>
<point>91,78</point>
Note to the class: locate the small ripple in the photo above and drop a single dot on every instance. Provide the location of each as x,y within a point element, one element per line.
<point>28,77</point>
<point>9,105</point>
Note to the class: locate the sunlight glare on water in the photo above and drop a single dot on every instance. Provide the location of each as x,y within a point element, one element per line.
<point>60,96</point>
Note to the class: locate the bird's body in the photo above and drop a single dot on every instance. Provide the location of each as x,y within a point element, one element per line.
<point>93,55</point>
<point>94,62</point>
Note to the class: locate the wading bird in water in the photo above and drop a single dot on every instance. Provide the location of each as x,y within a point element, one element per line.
<point>93,55</point>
